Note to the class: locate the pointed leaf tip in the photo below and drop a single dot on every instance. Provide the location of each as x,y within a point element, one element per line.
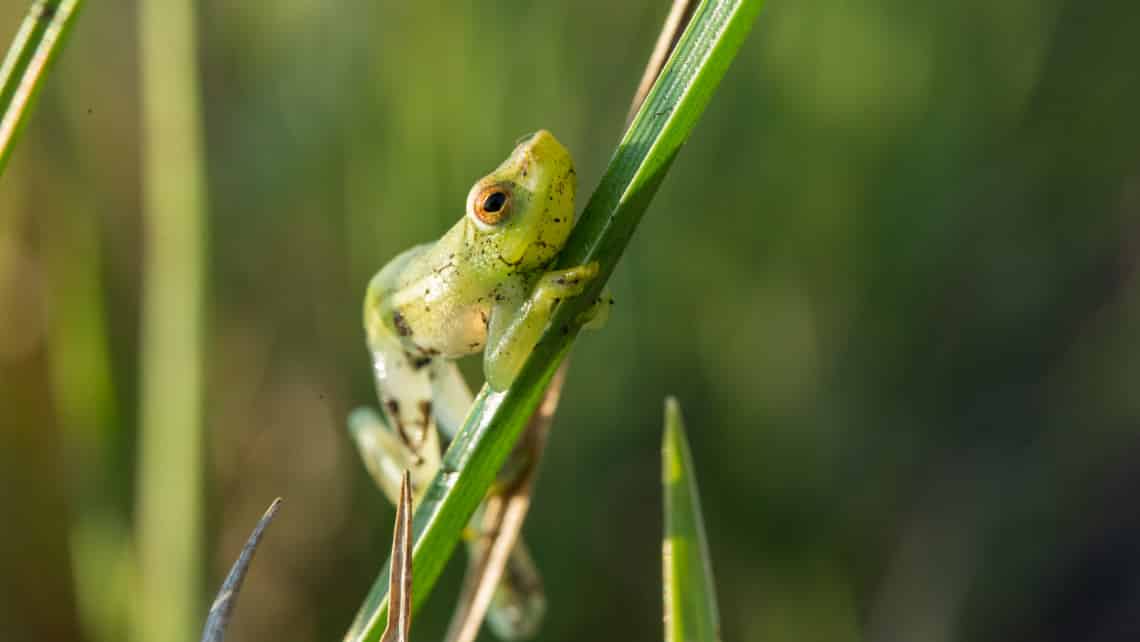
<point>223,606</point>
<point>400,576</point>
<point>689,593</point>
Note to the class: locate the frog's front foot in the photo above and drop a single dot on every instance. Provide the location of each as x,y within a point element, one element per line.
<point>512,338</point>
<point>563,284</point>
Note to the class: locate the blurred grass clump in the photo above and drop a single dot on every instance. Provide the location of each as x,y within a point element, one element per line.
<point>892,278</point>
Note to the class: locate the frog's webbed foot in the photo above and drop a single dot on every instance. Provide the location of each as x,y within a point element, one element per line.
<point>598,313</point>
<point>572,282</point>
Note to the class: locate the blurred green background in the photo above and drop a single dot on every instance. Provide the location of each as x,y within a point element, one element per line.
<point>892,279</point>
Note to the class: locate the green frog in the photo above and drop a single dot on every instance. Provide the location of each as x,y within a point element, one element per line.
<point>484,286</point>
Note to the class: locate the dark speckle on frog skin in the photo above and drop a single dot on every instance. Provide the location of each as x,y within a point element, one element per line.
<point>393,406</point>
<point>401,324</point>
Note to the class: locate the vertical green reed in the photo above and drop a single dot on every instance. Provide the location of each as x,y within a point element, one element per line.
<point>170,455</point>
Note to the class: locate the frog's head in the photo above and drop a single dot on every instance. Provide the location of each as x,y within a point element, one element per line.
<point>524,210</point>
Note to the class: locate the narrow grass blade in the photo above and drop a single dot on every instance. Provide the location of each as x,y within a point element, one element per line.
<point>400,584</point>
<point>496,420</point>
<point>690,597</point>
<point>223,606</point>
<point>39,39</point>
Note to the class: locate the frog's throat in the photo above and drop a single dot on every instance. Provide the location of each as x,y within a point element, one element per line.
<point>513,248</point>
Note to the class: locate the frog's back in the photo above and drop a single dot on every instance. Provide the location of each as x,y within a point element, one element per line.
<point>406,267</point>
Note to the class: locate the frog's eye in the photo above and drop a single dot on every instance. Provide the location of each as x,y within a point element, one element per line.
<point>492,204</point>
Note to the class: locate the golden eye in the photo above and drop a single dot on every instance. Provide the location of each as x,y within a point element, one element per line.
<point>492,205</point>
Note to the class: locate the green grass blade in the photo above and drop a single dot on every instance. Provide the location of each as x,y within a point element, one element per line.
<point>666,118</point>
<point>690,596</point>
<point>39,39</point>
<point>170,471</point>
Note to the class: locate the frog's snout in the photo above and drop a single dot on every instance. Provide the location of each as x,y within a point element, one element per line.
<point>540,137</point>
<point>543,146</point>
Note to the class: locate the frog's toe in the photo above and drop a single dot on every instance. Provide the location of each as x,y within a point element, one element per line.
<point>598,313</point>
<point>572,281</point>
<point>583,274</point>
<point>363,420</point>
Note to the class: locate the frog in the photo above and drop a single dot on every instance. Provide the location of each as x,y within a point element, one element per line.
<point>487,285</point>
<point>484,286</point>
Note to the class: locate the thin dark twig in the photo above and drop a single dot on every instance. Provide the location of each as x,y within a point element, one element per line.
<point>675,23</point>
<point>223,605</point>
<point>503,515</point>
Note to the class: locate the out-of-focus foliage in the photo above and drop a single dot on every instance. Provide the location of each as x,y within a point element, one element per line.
<point>893,277</point>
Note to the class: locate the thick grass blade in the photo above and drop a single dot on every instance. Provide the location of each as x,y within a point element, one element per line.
<point>496,420</point>
<point>503,515</point>
<point>484,573</point>
<point>170,470</point>
<point>39,39</point>
<point>689,594</point>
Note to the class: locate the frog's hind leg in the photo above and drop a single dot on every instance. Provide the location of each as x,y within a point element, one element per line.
<point>404,387</point>
<point>451,395</point>
<point>385,456</point>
